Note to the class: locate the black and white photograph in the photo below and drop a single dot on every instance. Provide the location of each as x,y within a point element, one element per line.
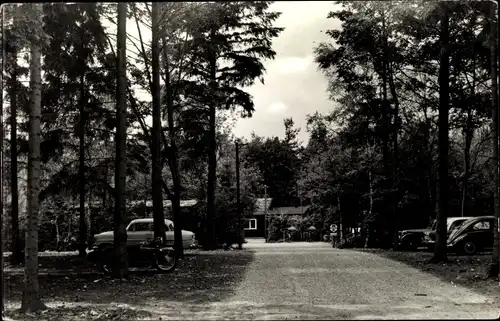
<point>250,160</point>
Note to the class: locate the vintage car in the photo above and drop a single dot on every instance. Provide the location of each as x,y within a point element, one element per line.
<point>140,230</point>
<point>453,223</point>
<point>475,235</point>
<point>416,238</point>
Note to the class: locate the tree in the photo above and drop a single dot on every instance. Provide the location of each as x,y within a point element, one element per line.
<point>120,268</point>
<point>172,152</point>
<point>158,215</point>
<point>239,33</point>
<point>444,80</point>
<point>31,301</point>
<point>364,59</point>
<point>495,264</point>
<point>12,53</point>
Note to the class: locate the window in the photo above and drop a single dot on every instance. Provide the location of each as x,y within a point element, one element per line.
<point>456,225</point>
<point>484,225</point>
<point>141,227</point>
<point>251,224</point>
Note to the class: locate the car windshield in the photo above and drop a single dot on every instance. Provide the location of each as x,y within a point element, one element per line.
<point>455,225</point>
<point>141,227</point>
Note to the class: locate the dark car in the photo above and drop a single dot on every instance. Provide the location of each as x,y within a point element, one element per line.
<point>475,235</point>
<point>411,239</point>
<point>452,224</point>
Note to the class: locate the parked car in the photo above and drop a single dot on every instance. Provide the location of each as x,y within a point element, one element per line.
<point>140,230</point>
<point>453,223</point>
<point>475,235</point>
<point>411,239</point>
<point>415,238</point>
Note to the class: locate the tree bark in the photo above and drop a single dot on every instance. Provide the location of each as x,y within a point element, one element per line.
<point>17,253</point>
<point>31,301</point>
<point>389,219</point>
<point>120,268</point>
<point>494,266</point>
<point>444,75</point>
<point>158,214</point>
<point>81,168</point>
<point>172,159</point>
<point>465,185</point>
<point>212,154</point>
<point>395,158</point>
<point>469,135</point>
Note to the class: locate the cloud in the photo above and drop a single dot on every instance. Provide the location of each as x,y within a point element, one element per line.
<point>277,108</point>
<point>290,65</point>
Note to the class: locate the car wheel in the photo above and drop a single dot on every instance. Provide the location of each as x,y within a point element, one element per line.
<point>407,245</point>
<point>469,248</point>
<point>413,246</point>
<point>105,264</point>
<point>166,261</point>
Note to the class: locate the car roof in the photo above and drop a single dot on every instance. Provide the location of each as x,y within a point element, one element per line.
<point>479,218</point>
<point>460,217</point>
<point>148,220</point>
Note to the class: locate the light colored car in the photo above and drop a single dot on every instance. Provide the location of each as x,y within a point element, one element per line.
<point>139,230</point>
<point>452,224</point>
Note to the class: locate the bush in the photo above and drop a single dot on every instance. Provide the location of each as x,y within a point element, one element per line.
<point>351,241</point>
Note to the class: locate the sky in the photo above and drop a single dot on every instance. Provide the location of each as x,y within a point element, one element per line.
<point>294,87</point>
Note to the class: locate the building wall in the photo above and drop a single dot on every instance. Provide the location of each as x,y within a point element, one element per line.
<point>259,232</point>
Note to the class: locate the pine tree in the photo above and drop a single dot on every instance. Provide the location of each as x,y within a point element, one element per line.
<point>31,301</point>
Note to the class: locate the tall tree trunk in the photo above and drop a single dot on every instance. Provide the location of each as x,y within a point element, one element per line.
<point>31,300</point>
<point>173,161</point>
<point>58,234</point>
<point>389,219</point>
<point>465,185</point>
<point>494,266</point>
<point>212,154</point>
<point>395,158</point>
<point>81,168</point>
<point>444,79</point>
<point>120,268</point>
<point>17,253</point>
<point>469,135</point>
<point>158,214</point>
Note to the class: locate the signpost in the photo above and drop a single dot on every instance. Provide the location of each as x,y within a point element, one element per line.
<point>333,228</point>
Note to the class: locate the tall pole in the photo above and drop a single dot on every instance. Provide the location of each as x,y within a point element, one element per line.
<point>1,170</point>
<point>265,213</point>
<point>238,205</point>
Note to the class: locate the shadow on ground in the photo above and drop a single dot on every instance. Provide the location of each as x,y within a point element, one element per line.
<point>467,271</point>
<point>198,279</point>
<point>81,313</point>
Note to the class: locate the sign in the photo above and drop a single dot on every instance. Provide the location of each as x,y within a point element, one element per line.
<point>333,228</point>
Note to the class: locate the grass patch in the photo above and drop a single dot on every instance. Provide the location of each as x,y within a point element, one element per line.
<point>468,271</point>
<point>194,281</point>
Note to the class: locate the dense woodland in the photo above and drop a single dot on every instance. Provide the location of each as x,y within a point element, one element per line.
<point>409,137</point>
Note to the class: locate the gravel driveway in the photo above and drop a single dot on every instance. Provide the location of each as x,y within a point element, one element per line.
<point>282,281</point>
<point>319,282</point>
